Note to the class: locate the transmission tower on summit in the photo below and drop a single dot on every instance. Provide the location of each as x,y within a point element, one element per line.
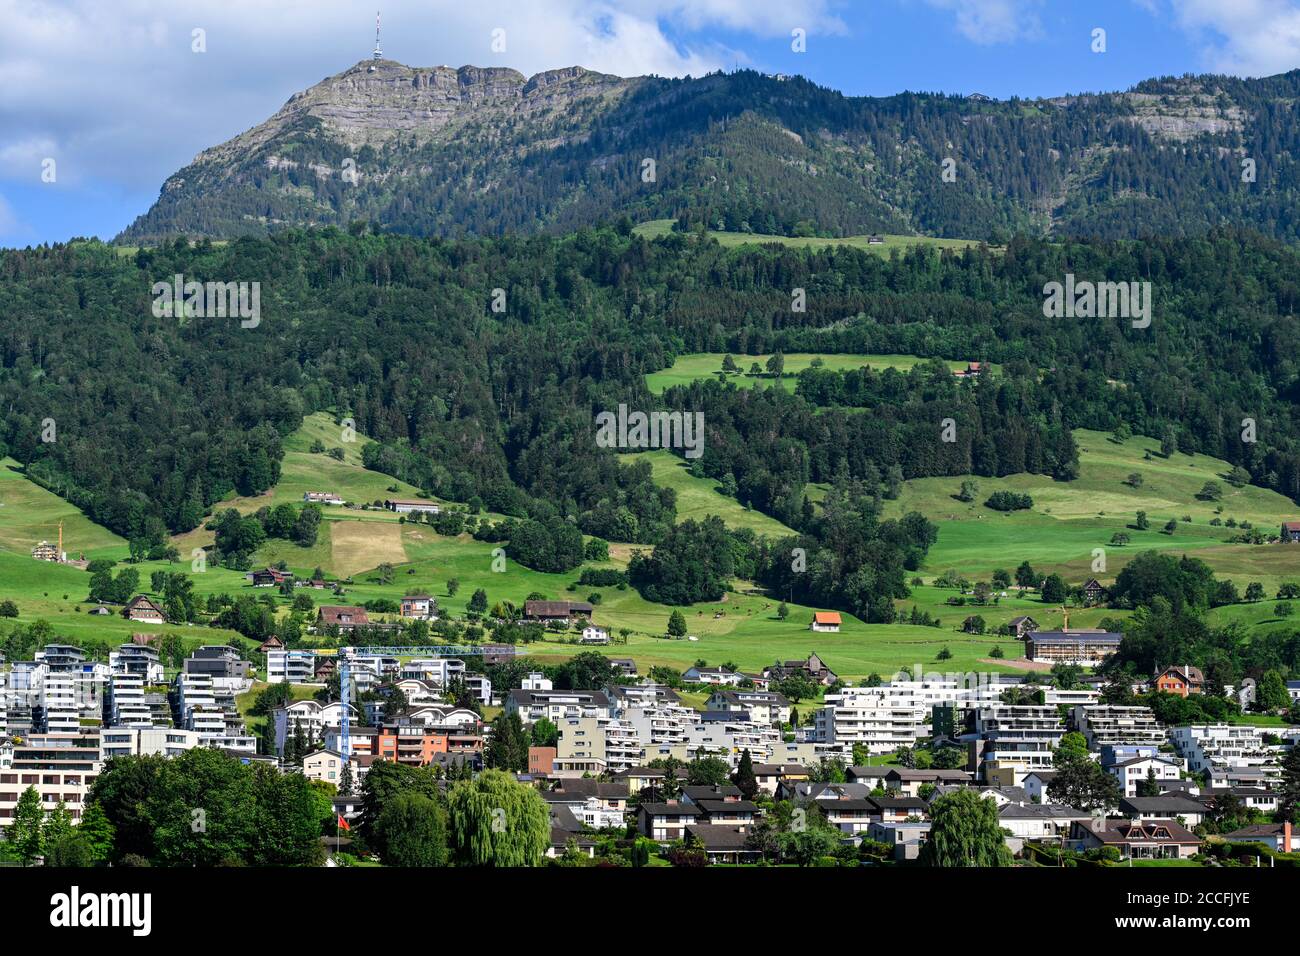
<point>378,54</point>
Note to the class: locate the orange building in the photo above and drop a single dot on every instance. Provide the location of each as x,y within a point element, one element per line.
<point>1181,680</point>
<point>417,746</point>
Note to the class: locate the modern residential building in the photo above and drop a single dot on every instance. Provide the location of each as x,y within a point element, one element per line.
<point>1009,741</point>
<point>292,667</point>
<point>61,766</point>
<point>882,719</point>
<point>1071,647</point>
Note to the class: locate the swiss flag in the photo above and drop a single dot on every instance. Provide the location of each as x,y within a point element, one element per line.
<point>344,823</point>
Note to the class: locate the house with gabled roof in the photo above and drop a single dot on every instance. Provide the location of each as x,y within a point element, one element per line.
<point>1136,840</point>
<point>142,608</point>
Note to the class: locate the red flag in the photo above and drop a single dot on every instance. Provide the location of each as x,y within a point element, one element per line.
<point>344,823</point>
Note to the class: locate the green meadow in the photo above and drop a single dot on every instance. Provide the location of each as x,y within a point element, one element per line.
<point>1067,522</point>
<point>699,366</point>
<point>656,228</point>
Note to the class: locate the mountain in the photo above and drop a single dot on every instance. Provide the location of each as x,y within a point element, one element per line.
<point>486,151</point>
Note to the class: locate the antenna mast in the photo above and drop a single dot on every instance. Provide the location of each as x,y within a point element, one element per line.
<point>379,54</point>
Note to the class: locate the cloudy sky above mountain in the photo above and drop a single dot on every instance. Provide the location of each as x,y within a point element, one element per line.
<point>116,95</point>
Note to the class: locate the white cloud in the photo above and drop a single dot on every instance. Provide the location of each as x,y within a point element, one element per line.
<point>1241,37</point>
<point>114,91</point>
<point>988,22</point>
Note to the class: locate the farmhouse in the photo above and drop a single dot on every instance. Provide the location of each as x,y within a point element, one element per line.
<point>874,240</point>
<point>141,608</point>
<point>828,621</point>
<point>1020,626</point>
<point>1180,679</point>
<point>321,498</point>
<point>1072,647</point>
<point>269,577</point>
<point>595,635</point>
<point>401,506</point>
<point>1290,532</point>
<point>561,611</point>
<point>813,668</point>
<point>1093,592</point>
<point>344,618</point>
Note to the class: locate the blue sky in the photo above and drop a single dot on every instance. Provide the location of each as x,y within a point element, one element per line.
<point>116,95</point>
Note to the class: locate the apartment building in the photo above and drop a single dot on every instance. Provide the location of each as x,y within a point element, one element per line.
<point>291,667</point>
<point>1233,754</point>
<point>60,766</point>
<point>1109,725</point>
<point>556,705</point>
<point>127,704</point>
<point>439,671</point>
<point>764,707</point>
<point>139,660</point>
<point>217,660</point>
<point>148,741</point>
<point>1009,741</point>
<point>612,743</point>
<point>882,719</point>
<point>315,719</point>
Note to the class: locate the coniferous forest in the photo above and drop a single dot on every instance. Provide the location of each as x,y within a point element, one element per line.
<point>157,419</point>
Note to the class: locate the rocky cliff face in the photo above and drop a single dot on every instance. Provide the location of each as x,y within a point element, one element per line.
<point>485,151</point>
<point>376,102</point>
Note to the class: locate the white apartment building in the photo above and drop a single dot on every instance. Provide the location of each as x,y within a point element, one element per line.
<point>660,724</point>
<point>437,670</point>
<point>1108,725</point>
<point>148,741</point>
<point>138,659</point>
<point>536,681</point>
<point>316,719</point>
<point>127,704</point>
<point>61,696</point>
<point>1012,740</point>
<point>1227,747</point>
<point>556,705</point>
<point>292,667</point>
<point>1132,772</point>
<point>882,719</point>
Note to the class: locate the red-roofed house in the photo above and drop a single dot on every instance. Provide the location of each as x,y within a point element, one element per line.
<point>826,621</point>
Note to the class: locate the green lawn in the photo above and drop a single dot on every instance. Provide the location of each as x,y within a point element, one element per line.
<point>1071,519</point>
<point>656,228</point>
<point>700,497</point>
<point>698,366</point>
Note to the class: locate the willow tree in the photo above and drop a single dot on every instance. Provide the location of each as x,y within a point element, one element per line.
<point>965,831</point>
<point>495,821</point>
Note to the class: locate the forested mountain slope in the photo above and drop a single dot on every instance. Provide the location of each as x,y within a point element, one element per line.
<point>486,151</point>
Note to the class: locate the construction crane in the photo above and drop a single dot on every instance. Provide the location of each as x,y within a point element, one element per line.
<point>346,656</point>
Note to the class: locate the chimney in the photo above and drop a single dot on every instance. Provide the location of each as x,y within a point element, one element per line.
<point>1286,837</point>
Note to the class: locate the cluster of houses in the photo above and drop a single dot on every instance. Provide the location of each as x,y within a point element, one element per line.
<point>62,715</point>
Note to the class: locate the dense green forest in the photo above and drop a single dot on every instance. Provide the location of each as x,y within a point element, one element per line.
<point>748,152</point>
<point>156,419</point>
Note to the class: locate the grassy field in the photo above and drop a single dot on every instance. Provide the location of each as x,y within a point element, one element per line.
<point>698,366</point>
<point>1070,519</point>
<point>29,514</point>
<point>656,228</point>
<point>1059,533</point>
<point>700,497</point>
